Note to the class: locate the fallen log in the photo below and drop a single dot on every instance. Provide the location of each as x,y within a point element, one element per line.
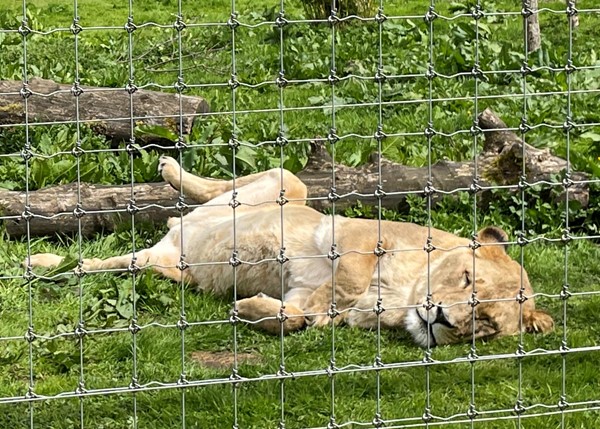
<point>105,110</point>
<point>500,163</point>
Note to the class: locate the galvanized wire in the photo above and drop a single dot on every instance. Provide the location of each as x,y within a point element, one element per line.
<point>471,415</point>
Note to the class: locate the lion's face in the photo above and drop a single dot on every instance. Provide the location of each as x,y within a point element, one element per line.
<point>474,297</point>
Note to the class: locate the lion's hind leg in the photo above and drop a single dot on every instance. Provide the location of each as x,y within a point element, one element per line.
<point>45,260</point>
<point>265,313</point>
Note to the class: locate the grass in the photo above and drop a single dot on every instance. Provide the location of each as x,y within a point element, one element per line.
<point>107,301</point>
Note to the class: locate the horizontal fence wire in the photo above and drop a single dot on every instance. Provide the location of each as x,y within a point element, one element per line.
<point>331,412</point>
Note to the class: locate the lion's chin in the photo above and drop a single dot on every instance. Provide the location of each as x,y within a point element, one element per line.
<point>427,335</point>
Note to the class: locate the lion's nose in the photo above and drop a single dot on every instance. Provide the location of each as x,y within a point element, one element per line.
<point>440,317</point>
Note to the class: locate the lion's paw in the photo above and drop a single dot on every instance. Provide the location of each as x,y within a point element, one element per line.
<point>169,168</point>
<point>47,260</point>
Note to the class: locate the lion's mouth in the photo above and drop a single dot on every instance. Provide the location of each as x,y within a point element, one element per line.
<point>440,319</point>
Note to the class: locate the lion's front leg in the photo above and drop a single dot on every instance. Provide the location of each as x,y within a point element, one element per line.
<point>267,313</point>
<point>352,280</point>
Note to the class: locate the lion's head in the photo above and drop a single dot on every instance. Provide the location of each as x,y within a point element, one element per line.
<point>474,296</point>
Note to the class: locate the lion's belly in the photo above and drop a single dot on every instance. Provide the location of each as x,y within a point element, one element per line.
<point>258,245</point>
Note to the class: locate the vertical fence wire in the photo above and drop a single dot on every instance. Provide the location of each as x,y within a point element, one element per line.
<point>432,136</point>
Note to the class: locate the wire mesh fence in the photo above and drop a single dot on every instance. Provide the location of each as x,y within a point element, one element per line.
<point>310,91</point>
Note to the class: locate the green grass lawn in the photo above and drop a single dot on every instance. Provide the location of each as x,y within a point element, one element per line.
<point>398,391</point>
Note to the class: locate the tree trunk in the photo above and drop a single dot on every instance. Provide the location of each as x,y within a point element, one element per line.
<point>499,163</point>
<point>105,110</point>
<point>532,24</point>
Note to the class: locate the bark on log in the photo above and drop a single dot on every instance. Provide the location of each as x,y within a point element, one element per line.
<point>500,163</point>
<point>105,110</point>
<point>534,38</point>
<point>104,207</point>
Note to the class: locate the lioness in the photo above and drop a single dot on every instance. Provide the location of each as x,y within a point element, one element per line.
<point>373,269</point>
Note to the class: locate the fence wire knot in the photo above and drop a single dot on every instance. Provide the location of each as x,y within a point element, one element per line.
<point>565,293</point>
<point>474,187</point>
<point>475,129</point>
<point>233,82</point>
<point>27,214</point>
<point>472,356</point>
<point>282,258</point>
<point>571,9</point>
<point>129,26</point>
<point>24,29</point>
<point>569,67</point>
<point>332,137</point>
<point>281,81</point>
<point>281,140</point>
<point>333,253</point>
<point>333,312</point>
<point>132,209</point>
<point>430,74</point>
<point>524,127</point>
<point>333,196</point>
<point>133,268</point>
<point>30,393</point>
<point>179,25</point>
<point>380,76</point>
<point>25,92</point>
<point>522,240</point>
<point>281,315</point>
<point>30,335</point>
<point>473,301</point>
<point>182,380</point>
<point>568,125</point>
<point>431,15</point>
<point>562,403</point>
<point>77,151</point>
<point>80,330</point>
<point>332,424</point>
<point>379,250</point>
<point>333,19</point>
<point>427,416</point>
<point>472,412</point>
<point>80,390</point>
<point>180,85</point>
<point>232,22</point>
<point>429,247</point>
<point>379,135</point>
<point>78,212</point>
<point>180,205</point>
<point>235,261</point>
<point>380,17</point>
<point>78,271</point>
<point>377,421</point>
<point>333,78</point>
<point>134,383</point>
<point>182,323</point>
<point>182,265</point>
<point>521,297</point>
<point>477,12</point>
<point>566,236</point>
<point>281,199</point>
<point>526,11</point>
<point>379,193</point>
<point>280,21</point>
<point>519,409</point>
<point>133,327</point>
<point>76,89</point>
<point>378,308</point>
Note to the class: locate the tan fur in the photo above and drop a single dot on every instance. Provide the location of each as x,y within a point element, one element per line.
<point>431,294</point>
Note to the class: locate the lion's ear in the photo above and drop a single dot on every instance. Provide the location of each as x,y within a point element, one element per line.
<point>537,321</point>
<point>492,235</point>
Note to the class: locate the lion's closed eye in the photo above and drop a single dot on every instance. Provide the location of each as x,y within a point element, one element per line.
<point>467,279</point>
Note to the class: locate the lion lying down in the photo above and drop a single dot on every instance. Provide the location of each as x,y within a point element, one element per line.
<point>406,276</point>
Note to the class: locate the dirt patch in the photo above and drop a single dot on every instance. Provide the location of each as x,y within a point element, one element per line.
<point>224,359</point>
